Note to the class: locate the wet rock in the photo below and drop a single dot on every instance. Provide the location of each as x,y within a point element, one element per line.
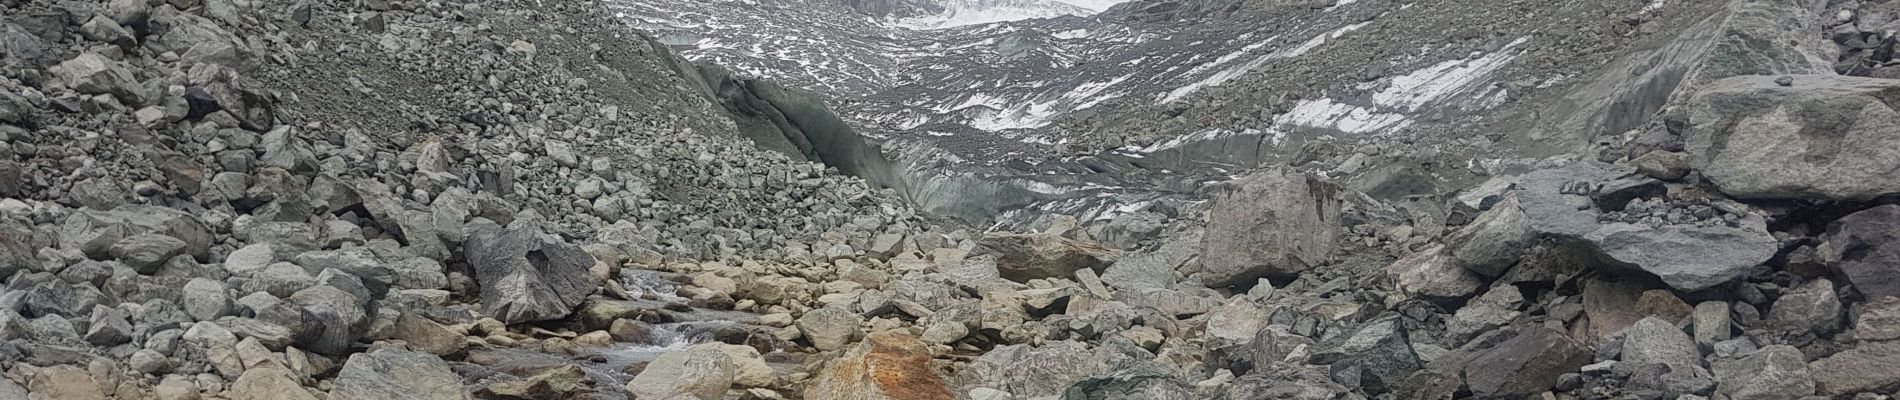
<point>830,328</point>
<point>1865,246</point>
<point>1023,257</point>
<point>886,365</point>
<point>702,373</point>
<point>1860,369</point>
<point>1524,365</point>
<point>1272,223</point>
<point>553,384</point>
<point>1826,137</point>
<point>1433,274</point>
<point>1812,306</point>
<point>391,373</point>
<point>525,277</point>
<point>1145,381</point>
<point>1774,372</point>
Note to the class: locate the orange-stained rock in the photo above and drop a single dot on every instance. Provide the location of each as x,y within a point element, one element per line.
<point>886,365</point>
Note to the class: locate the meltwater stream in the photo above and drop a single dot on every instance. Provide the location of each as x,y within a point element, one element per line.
<point>669,328</point>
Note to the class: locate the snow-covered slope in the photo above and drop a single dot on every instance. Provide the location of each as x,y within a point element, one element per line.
<point>1064,103</point>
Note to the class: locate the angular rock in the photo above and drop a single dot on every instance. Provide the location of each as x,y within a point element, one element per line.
<point>396,374</point>
<point>1879,320</point>
<point>1379,350</point>
<point>554,384</point>
<point>267,384</point>
<point>885,366</point>
<point>525,277</point>
<point>1023,257</point>
<point>1865,246</point>
<point>1689,257</point>
<point>1030,372</point>
<point>702,373</point>
<point>65,382</point>
<point>1655,341</point>
<point>1812,306</point>
<point>1270,223</point>
<point>1826,137</point>
<point>205,299</point>
<point>1494,241</point>
<point>1144,381</point>
<point>1433,274</point>
<point>426,335</point>
<point>334,319</point>
<point>1712,322</point>
<point>830,328</point>
<point>1774,372</point>
<point>1525,365</point>
<point>1860,369</point>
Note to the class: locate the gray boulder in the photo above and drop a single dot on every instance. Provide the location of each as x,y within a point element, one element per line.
<point>205,299</point>
<point>1825,137</point>
<point>1655,341</point>
<point>338,319</point>
<point>1494,241</point>
<point>1524,365</point>
<point>830,328</point>
<point>396,374</point>
<point>1811,306</point>
<point>1866,368</point>
<point>1774,372</point>
<point>699,373</point>
<point>1023,257</point>
<point>1433,274</point>
<point>146,252</point>
<point>1144,381</point>
<point>94,231</point>
<point>1379,350</point>
<point>1865,246</point>
<point>526,277</point>
<point>1277,222</point>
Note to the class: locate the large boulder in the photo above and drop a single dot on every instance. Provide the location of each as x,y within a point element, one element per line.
<point>830,328</point>
<point>1144,381</point>
<point>1655,341</point>
<point>1865,246</point>
<point>1380,351</point>
<point>1562,203</point>
<point>1276,222</point>
<point>269,383</point>
<point>95,232</point>
<point>1824,137</point>
<point>1494,241</point>
<point>396,374</point>
<point>1032,371</point>
<point>1811,306</point>
<point>1433,274</point>
<point>1022,257</point>
<point>885,366</point>
<point>702,373</point>
<point>1524,365</point>
<point>1860,369</point>
<point>526,277</point>
<point>1774,372</point>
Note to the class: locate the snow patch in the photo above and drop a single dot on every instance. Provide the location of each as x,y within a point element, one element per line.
<point>1236,71</point>
<point>1325,113</point>
<point>1414,90</point>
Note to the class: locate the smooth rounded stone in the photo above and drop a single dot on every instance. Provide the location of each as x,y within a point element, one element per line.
<point>1276,222</point>
<point>249,259</point>
<point>175,387</point>
<point>702,373</point>
<point>148,361</point>
<point>830,328</point>
<point>1774,372</point>
<point>1812,306</point>
<point>205,299</point>
<point>631,331</point>
<point>749,367</point>
<point>885,366</point>
<point>389,373</point>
